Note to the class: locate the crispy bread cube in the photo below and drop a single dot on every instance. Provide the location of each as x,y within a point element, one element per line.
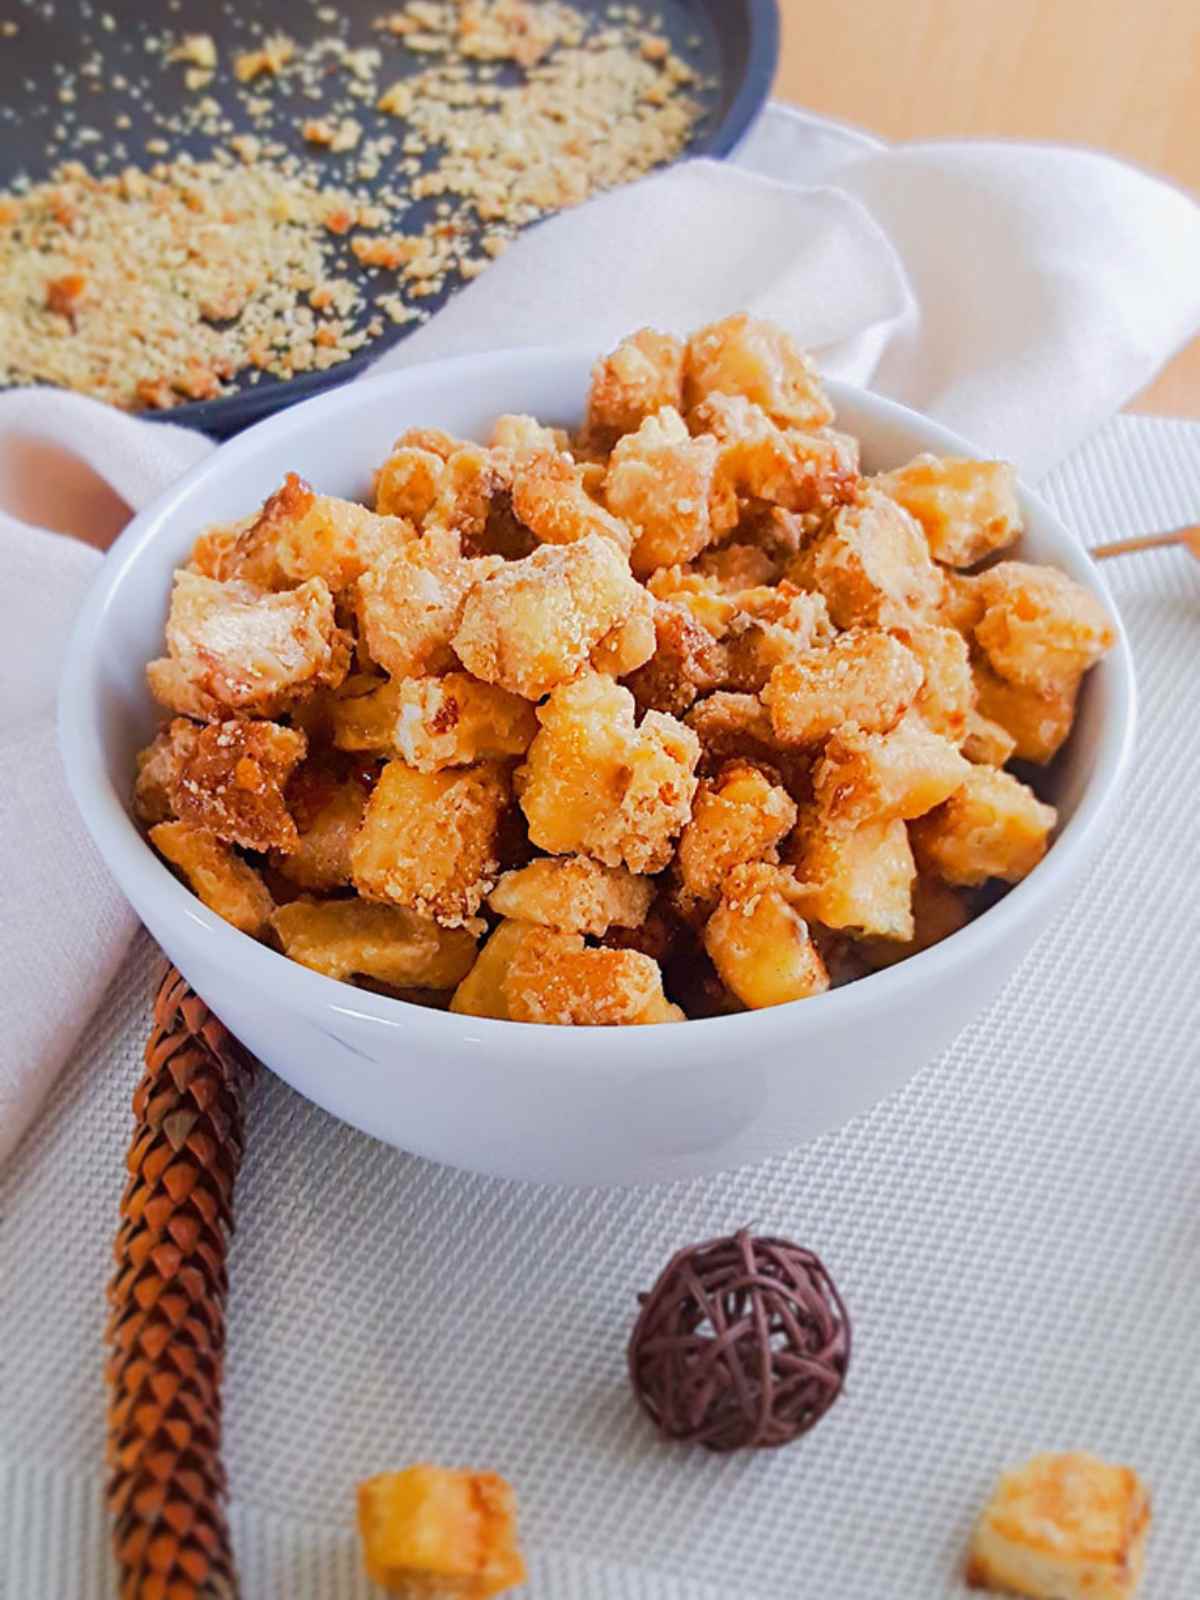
<point>1039,628</point>
<point>300,534</point>
<point>865,678</point>
<point>687,661</point>
<point>574,894</point>
<point>158,769</point>
<point>670,490</point>
<point>967,508</point>
<point>759,942</point>
<point>947,694</point>
<point>430,840</point>
<point>431,723</point>
<point>360,938</point>
<point>233,647</point>
<point>217,875</point>
<point>326,801</point>
<point>986,742</point>
<point>641,376</point>
<point>737,817</point>
<point>992,827</point>
<point>872,564</point>
<point>938,911</point>
<point>482,993</point>
<point>1063,1527</point>
<point>534,623</point>
<point>549,497</point>
<point>1036,721</point>
<point>470,479</point>
<point>411,599</point>
<point>231,783</point>
<point>858,878</point>
<point>788,467</point>
<point>903,773</point>
<point>212,553</point>
<point>406,485</point>
<point>521,436</point>
<point>771,626</point>
<point>434,1531</point>
<point>596,784</point>
<point>742,355</point>
<point>553,977</point>
<point>439,482</point>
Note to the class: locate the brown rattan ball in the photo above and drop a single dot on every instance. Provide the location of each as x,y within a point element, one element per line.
<point>743,1343</point>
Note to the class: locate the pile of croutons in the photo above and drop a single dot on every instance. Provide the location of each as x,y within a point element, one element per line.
<point>678,716</point>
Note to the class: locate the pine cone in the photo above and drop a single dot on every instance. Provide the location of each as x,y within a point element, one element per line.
<point>166,1330</point>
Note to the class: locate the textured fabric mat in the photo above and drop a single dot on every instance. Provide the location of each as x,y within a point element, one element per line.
<point>1017,1235</point>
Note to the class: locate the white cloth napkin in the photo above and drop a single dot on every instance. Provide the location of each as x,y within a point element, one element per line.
<point>1018,293</point>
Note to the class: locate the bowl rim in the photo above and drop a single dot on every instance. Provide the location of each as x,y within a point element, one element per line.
<point>132,862</point>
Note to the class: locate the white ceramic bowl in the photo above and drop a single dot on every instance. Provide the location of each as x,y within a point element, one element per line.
<point>582,1105</point>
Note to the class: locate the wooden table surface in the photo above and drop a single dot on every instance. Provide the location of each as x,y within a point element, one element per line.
<point>1122,77</point>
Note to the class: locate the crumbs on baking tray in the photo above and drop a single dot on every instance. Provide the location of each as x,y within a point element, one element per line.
<point>677,716</point>
<point>148,283</point>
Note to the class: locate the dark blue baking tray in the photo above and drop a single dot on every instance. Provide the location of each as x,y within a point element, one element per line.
<point>733,43</point>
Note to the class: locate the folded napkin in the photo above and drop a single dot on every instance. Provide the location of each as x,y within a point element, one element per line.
<point>1018,293</point>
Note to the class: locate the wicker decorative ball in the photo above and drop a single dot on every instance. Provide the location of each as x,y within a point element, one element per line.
<point>743,1343</point>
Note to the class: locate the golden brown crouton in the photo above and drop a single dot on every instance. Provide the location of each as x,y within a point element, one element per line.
<point>865,678</point>
<point>231,784</point>
<point>938,911</point>
<point>232,647</point>
<point>854,877</point>
<point>903,773</point>
<point>361,938</point>
<point>968,509</point>
<point>738,816</point>
<point>430,840</point>
<point>596,784</point>
<point>1040,629</point>
<point>796,469</point>
<point>759,942</point>
<point>641,376</point>
<point>216,874</point>
<point>410,601</point>
<point>549,497</point>
<point>432,722</point>
<point>669,488</point>
<point>986,742</point>
<point>993,826</point>
<point>1036,722</point>
<point>872,564</point>
<point>300,534</point>
<point>1063,1527</point>
<point>947,692</point>
<point>742,355</point>
<point>522,437</point>
<point>771,626</point>
<point>483,992</point>
<point>534,623</point>
<point>574,894</point>
<point>554,977</point>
